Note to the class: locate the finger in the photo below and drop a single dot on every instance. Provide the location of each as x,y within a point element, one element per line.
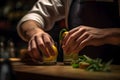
<point>82,44</point>
<point>30,52</point>
<point>73,47</point>
<point>48,43</point>
<point>35,51</point>
<point>68,35</point>
<point>71,42</point>
<point>41,46</point>
<point>67,50</point>
<point>85,35</point>
<point>82,40</point>
<point>32,58</point>
<point>52,51</point>
<point>74,30</point>
<point>74,35</point>
<point>68,44</point>
<point>64,40</point>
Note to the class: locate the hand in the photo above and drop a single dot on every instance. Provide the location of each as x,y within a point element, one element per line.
<point>82,36</point>
<point>40,43</point>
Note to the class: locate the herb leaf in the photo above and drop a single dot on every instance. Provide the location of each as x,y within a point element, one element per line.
<point>89,64</point>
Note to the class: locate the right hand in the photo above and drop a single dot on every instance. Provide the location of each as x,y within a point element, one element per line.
<point>83,36</point>
<point>40,43</point>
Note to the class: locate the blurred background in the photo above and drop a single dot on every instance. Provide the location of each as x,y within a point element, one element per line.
<point>11,11</point>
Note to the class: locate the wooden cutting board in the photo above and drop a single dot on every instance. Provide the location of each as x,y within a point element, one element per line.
<point>64,72</point>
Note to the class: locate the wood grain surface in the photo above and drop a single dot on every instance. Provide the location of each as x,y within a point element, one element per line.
<point>61,71</point>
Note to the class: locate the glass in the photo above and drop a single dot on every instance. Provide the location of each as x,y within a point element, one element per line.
<point>67,58</point>
<point>51,59</point>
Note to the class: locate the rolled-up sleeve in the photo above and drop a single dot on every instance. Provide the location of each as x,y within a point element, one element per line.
<point>44,12</point>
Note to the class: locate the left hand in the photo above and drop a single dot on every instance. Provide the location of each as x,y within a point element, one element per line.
<point>82,36</point>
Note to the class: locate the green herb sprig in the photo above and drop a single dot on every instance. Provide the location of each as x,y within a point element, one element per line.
<point>89,64</point>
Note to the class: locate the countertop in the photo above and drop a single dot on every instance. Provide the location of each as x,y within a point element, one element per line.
<point>60,71</point>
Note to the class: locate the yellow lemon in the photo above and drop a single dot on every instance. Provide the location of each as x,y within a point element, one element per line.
<point>63,35</point>
<point>51,58</point>
<point>55,50</point>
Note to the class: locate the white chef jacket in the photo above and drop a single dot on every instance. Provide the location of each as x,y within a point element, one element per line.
<point>47,12</point>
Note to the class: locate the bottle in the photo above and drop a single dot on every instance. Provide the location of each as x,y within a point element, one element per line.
<point>6,70</point>
<point>2,46</point>
<point>11,49</point>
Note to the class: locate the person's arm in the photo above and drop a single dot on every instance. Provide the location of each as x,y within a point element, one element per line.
<point>82,36</point>
<point>113,36</point>
<point>33,25</point>
<point>42,16</point>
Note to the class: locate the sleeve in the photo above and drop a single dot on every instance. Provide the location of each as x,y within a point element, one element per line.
<point>46,13</point>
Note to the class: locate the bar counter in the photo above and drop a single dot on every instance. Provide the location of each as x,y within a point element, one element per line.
<point>61,72</point>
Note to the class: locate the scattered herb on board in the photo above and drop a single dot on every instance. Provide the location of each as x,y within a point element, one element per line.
<point>89,64</point>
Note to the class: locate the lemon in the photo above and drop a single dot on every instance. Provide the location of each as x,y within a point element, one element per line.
<point>52,58</point>
<point>55,50</point>
<point>63,35</point>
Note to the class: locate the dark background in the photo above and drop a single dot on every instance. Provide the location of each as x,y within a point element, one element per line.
<point>11,11</point>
